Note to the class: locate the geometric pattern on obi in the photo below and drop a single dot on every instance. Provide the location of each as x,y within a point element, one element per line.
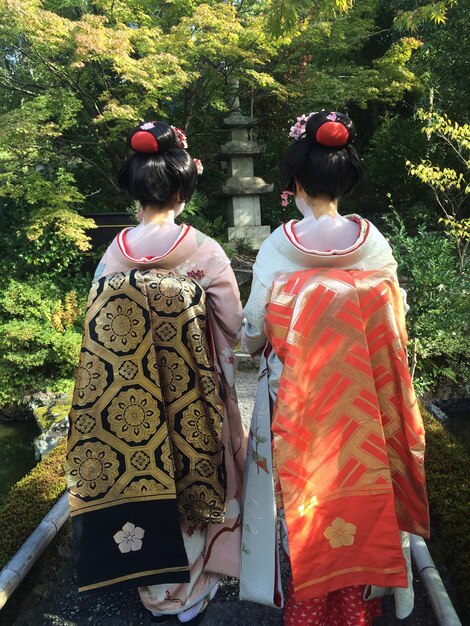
<point>145,425</point>
<point>348,436</point>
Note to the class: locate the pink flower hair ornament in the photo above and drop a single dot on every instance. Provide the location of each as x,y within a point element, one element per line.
<point>285,197</point>
<point>332,133</point>
<point>181,139</point>
<point>332,117</point>
<point>199,166</point>
<point>297,131</point>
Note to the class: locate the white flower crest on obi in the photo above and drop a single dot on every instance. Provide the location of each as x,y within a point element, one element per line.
<point>129,538</point>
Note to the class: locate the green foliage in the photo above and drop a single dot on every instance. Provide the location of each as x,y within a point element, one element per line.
<point>327,63</point>
<point>30,500</point>
<point>447,470</point>
<point>244,248</point>
<point>76,76</point>
<point>196,215</point>
<point>284,17</point>
<point>435,12</point>
<point>385,166</point>
<point>40,337</point>
<point>438,320</point>
<point>451,186</point>
<point>444,61</point>
<point>51,255</point>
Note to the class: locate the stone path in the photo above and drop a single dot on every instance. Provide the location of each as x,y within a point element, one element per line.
<point>49,597</point>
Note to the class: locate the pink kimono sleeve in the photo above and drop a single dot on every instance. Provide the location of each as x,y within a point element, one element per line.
<point>224,300</point>
<point>111,262</point>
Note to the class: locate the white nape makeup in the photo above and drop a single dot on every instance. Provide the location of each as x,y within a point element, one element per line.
<point>325,233</point>
<point>179,208</point>
<point>303,207</point>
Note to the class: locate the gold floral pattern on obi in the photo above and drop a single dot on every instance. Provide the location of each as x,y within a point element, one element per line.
<point>199,426</point>
<point>120,325</point>
<point>173,374</point>
<point>205,468</point>
<point>144,486</point>
<point>152,365</point>
<point>133,415</point>
<point>93,293</point>
<point>167,458</point>
<point>340,533</point>
<point>116,281</point>
<point>154,399</point>
<point>91,379</point>
<point>128,370</point>
<point>201,503</point>
<point>92,468</point>
<point>207,384</point>
<point>178,462</point>
<point>85,423</point>
<point>166,331</point>
<point>140,460</point>
<point>170,293</point>
<point>197,337</point>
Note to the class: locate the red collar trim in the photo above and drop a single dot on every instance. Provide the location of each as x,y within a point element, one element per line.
<point>363,234</point>
<point>121,241</point>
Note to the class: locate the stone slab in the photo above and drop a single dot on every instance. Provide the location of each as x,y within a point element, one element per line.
<point>240,166</point>
<point>245,185</point>
<point>243,211</point>
<point>255,235</point>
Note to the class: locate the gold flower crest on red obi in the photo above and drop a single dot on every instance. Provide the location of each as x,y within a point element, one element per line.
<point>120,325</point>
<point>340,533</point>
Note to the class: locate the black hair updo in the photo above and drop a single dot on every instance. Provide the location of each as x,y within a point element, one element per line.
<point>322,159</point>
<point>158,168</point>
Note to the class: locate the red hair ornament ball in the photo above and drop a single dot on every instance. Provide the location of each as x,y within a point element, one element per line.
<point>143,141</point>
<point>332,135</point>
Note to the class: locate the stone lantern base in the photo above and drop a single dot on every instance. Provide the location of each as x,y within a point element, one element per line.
<point>254,235</point>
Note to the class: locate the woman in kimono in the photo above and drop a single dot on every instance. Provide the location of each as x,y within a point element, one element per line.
<point>345,467</point>
<point>169,300</point>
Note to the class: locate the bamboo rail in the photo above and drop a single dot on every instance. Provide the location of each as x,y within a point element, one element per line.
<point>440,601</point>
<point>17,568</point>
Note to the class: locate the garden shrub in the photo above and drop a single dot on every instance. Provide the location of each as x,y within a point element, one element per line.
<point>197,214</point>
<point>29,500</point>
<point>438,321</point>
<point>448,482</point>
<point>40,336</point>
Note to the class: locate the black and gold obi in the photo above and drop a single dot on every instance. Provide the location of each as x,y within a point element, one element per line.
<point>144,445</point>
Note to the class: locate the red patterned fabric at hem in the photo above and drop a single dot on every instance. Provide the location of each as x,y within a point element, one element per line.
<point>344,607</point>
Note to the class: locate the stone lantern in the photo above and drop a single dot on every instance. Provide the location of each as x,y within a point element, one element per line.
<point>242,188</point>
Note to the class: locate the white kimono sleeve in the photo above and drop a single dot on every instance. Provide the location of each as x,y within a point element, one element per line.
<point>255,312</point>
